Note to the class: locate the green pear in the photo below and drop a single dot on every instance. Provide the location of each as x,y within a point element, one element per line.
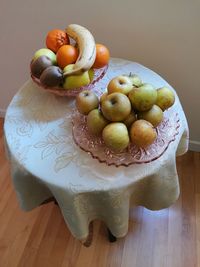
<point>96,122</point>
<point>165,98</point>
<point>143,98</point>
<point>115,136</point>
<point>75,81</point>
<point>154,115</point>
<point>45,52</point>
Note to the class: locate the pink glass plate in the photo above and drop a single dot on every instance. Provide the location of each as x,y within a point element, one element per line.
<point>98,75</point>
<point>166,133</point>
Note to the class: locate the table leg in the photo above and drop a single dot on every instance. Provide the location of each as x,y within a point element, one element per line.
<point>111,237</point>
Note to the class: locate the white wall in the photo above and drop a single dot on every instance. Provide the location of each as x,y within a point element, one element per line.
<point>164,35</point>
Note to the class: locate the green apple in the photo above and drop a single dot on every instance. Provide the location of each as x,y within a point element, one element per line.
<point>96,122</point>
<point>75,81</point>
<point>154,115</point>
<point>115,136</point>
<point>135,80</point>
<point>86,101</point>
<point>144,97</point>
<point>165,98</point>
<point>120,84</point>
<point>142,133</point>
<point>130,119</point>
<point>45,52</point>
<point>116,107</point>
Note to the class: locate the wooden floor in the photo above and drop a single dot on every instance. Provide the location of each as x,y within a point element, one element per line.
<point>40,238</point>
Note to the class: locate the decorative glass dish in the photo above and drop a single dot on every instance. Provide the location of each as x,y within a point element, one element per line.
<point>98,75</point>
<point>95,146</point>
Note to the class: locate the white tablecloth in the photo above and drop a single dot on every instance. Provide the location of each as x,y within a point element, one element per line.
<point>46,162</point>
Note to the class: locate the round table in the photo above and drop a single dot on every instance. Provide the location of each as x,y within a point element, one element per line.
<point>45,161</point>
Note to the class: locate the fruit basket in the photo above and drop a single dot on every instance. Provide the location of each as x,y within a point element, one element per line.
<point>95,146</point>
<point>98,75</point>
<point>71,61</point>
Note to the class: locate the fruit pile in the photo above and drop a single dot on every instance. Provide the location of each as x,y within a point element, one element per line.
<point>70,58</point>
<point>128,112</point>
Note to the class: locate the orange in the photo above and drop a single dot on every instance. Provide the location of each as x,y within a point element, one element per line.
<point>55,39</point>
<point>102,56</point>
<point>67,54</point>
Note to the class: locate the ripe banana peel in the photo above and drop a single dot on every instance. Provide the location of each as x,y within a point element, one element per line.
<point>87,49</point>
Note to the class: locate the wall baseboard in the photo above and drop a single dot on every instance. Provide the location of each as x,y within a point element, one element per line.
<point>2,113</point>
<point>194,146</point>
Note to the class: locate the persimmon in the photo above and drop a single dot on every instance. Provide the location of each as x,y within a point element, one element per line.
<point>67,54</point>
<point>55,39</point>
<point>102,56</point>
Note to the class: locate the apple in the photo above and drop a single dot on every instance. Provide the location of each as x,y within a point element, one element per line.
<point>165,98</point>
<point>142,133</point>
<point>86,101</point>
<point>130,119</point>
<point>96,122</point>
<point>135,80</point>
<point>144,97</point>
<point>154,115</point>
<point>116,107</point>
<point>75,81</point>
<point>115,136</point>
<point>45,52</point>
<point>120,84</point>
<point>103,97</point>
<point>91,74</point>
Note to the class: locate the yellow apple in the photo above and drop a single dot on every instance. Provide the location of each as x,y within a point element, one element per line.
<point>154,115</point>
<point>142,133</point>
<point>120,84</point>
<point>96,122</point>
<point>75,81</point>
<point>143,98</point>
<point>165,98</point>
<point>45,52</point>
<point>86,101</point>
<point>116,107</point>
<point>115,136</point>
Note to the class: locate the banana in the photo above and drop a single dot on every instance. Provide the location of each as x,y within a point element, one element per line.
<point>87,49</point>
